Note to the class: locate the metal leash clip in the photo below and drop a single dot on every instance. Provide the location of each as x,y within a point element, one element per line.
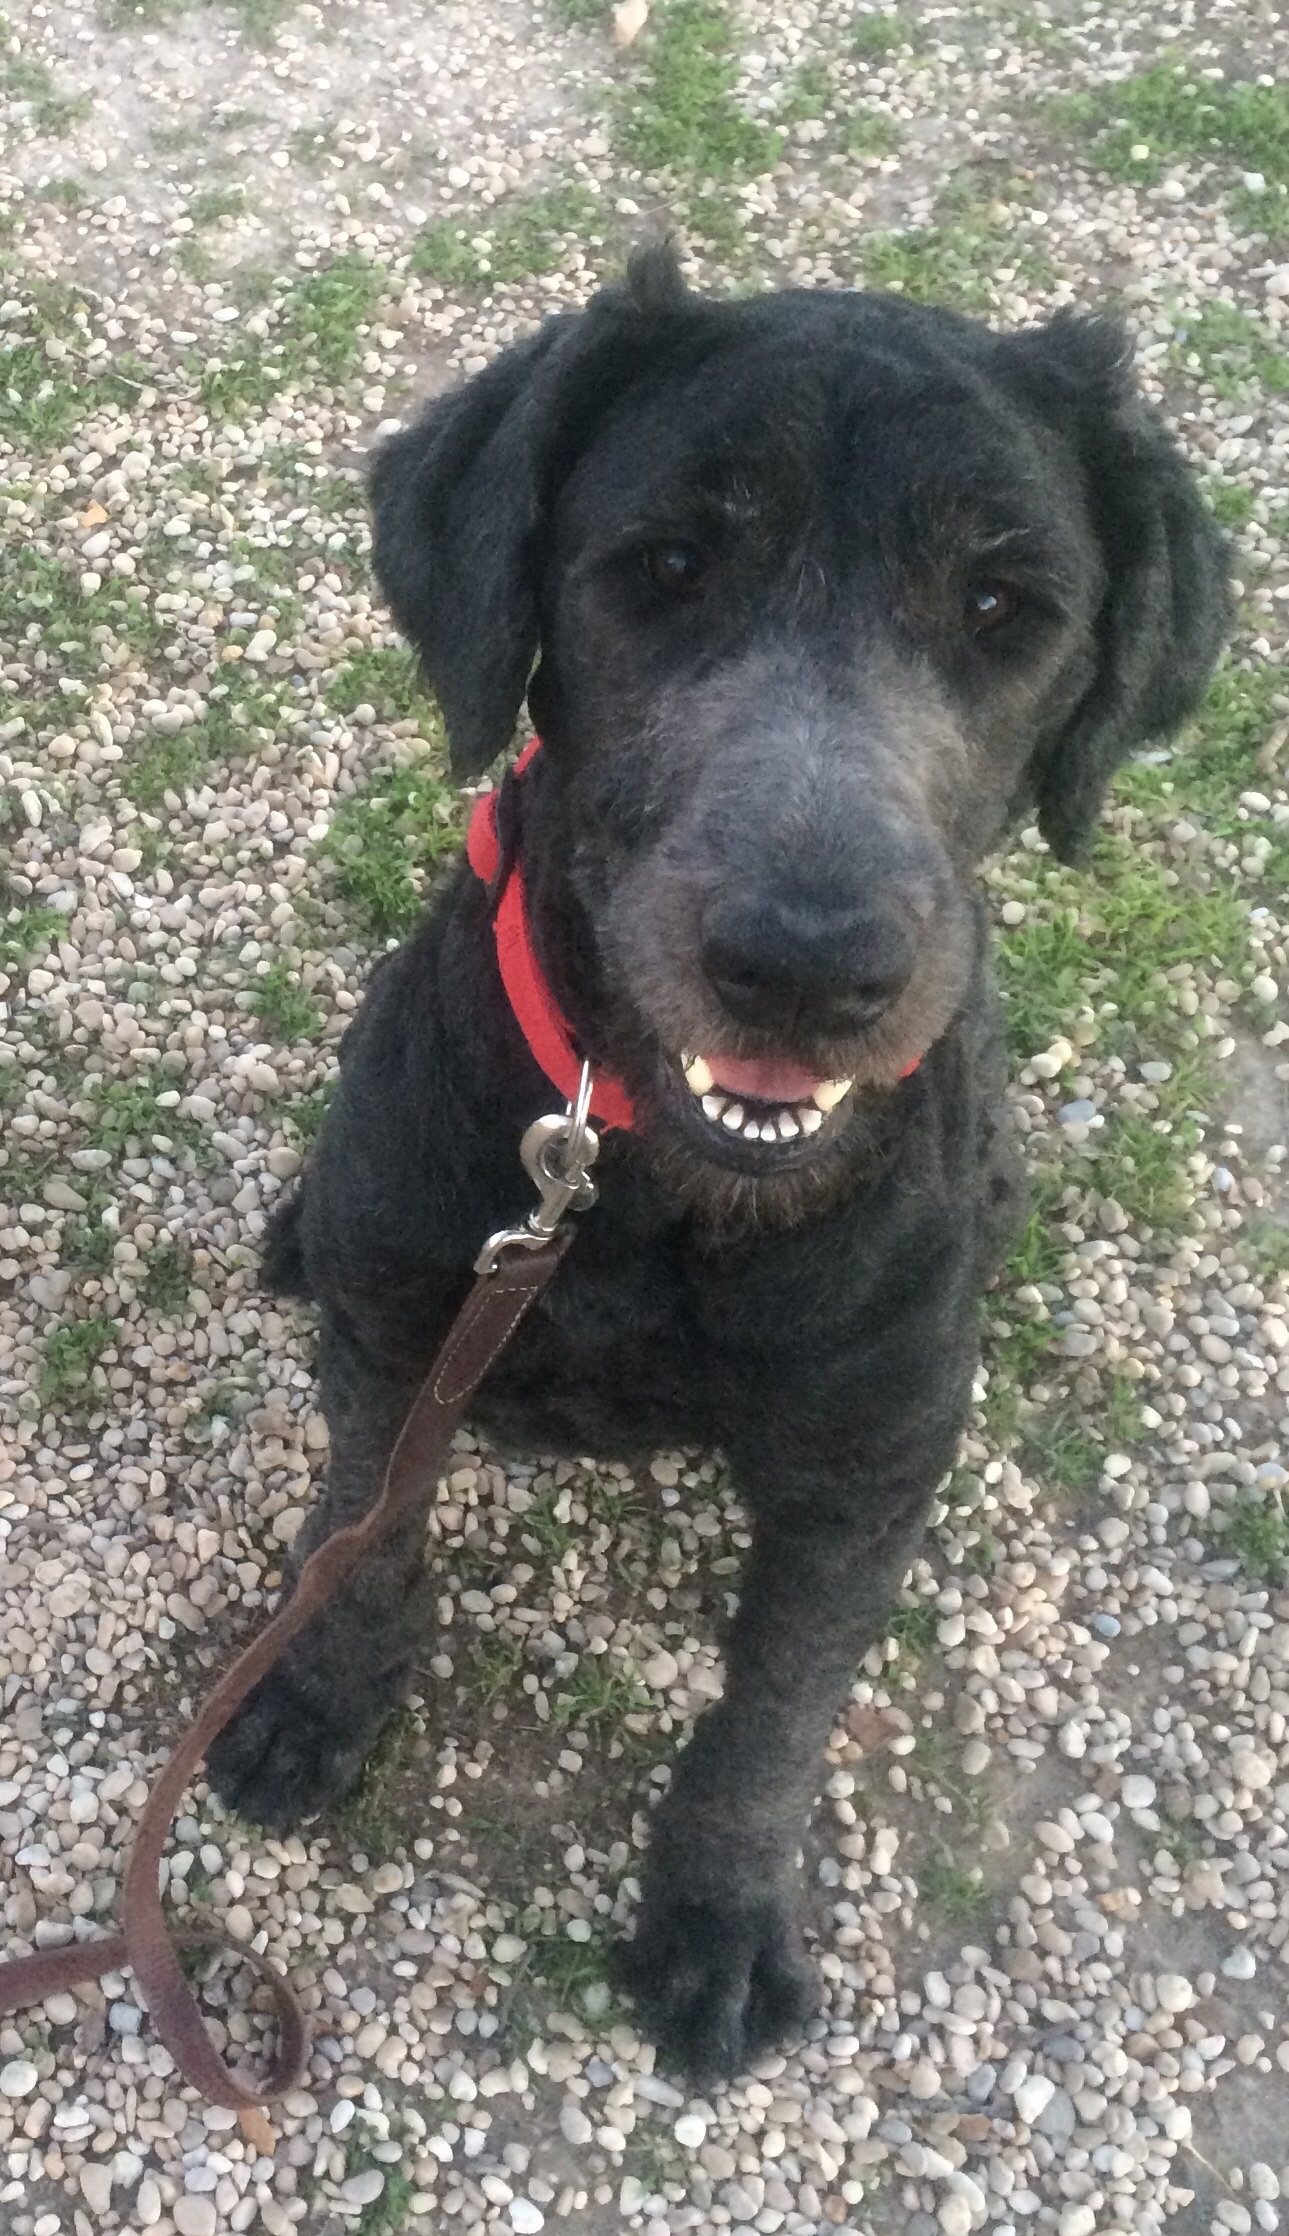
<point>558,1154</point>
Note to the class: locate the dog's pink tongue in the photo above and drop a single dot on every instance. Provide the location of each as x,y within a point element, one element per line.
<point>763,1079</point>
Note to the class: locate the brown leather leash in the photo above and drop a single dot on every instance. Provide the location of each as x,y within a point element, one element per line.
<point>512,1269</point>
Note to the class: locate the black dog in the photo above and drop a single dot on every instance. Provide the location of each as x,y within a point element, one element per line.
<point>826,588</point>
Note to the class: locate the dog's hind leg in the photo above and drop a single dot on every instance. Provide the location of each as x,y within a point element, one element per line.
<point>301,1738</point>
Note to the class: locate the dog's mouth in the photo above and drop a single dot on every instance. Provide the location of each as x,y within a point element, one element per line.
<point>761,1108</point>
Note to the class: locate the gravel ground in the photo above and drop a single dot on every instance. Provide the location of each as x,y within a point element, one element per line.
<point>1049,1876</point>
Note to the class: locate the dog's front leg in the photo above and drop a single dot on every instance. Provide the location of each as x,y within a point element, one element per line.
<point>300,1740</point>
<point>717,1967</point>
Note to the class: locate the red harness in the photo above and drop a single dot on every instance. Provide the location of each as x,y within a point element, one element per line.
<point>540,1020</point>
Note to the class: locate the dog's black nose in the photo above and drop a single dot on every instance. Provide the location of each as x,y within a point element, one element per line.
<point>830,971</point>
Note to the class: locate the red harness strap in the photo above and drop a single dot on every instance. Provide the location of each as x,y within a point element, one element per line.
<point>537,1013</point>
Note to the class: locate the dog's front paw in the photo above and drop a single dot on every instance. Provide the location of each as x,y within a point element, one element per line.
<point>717,1983</point>
<point>281,1759</point>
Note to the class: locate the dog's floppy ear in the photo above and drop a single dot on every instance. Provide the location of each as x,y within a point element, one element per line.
<point>1167,606</point>
<point>462,498</point>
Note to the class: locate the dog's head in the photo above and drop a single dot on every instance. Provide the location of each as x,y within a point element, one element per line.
<point>824,588</point>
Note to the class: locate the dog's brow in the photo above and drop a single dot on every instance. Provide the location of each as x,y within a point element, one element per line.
<point>1035,545</point>
<point>734,500</point>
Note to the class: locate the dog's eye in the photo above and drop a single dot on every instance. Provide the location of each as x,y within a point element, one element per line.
<point>989,606</point>
<point>678,570</point>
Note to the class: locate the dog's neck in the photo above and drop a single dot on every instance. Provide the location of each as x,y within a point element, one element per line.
<point>545,953</point>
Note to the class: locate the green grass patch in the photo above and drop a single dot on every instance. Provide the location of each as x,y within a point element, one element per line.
<point>884,32</point>
<point>65,194</point>
<point>956,1890</point>
<point>1258,1535</point>
<point>180,760</point>
<point>1144,1170</point>
<point>1180,1838</point>
<point>387,679</point>
<point>914,1626</point>
<point>320,335</point>
<point>569,1968</point>
<point>88,1246</point>
<point>390,2211</point>
<point>404,821</point>
<point>1013,1353</point>
<point>29,84</point>
<point>1120,1416</point>
<point>1228,349</point>
<point>1169,114</point>
<point>366,1817</point>
<point>1042,968</point>
<point>215,203</point>
<point>312,145</point>
<point>1264,1246</point>
<point>1060,1450</point>
<point>721,225</point>
<point>1114,934</point>
<point>810,91</point>
<point>304,1115</point>
<point>578,14</point>
<point>957,260</point>
<point>493,1666</point>
<point>75,623</point>
<point>25,933</point>
<point>1217,759</point>
<point>1265,214</point>
<point>127,1117</point>
<point>1040,1253</point>
<point>324,315</point>
<point>869,132</point>
<point>597,1696</point>
<point>1231,503</point>
<point>512,242</point>
<point>69,1355</point>
<point>133,15</point>
<point>547,1530</point>
<point>167,764</point>
<point>284,1006</point>
<point>679,114</point>
<point>261,20</point>
<point>167,1279</point>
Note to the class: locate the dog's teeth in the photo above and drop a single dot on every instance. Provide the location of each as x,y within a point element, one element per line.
<point>811,1120</point>
<point>829,1093</point>
<point>732,1116</point>
<point>788,1127</point>
<point>755,1131</point>
<point>698,1076</point>
<point>713,1105</point>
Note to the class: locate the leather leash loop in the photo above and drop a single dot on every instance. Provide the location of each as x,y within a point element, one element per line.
<point>522,1262</point>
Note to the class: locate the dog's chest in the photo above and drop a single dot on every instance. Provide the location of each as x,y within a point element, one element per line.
<point>614,1358</point>
<point>652,1339</point>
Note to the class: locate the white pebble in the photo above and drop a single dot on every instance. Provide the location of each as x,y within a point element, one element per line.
<point>96,2186</point>
<point>195,2216</point>
<point>364,2188</point>
<point>1033,2097</point>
